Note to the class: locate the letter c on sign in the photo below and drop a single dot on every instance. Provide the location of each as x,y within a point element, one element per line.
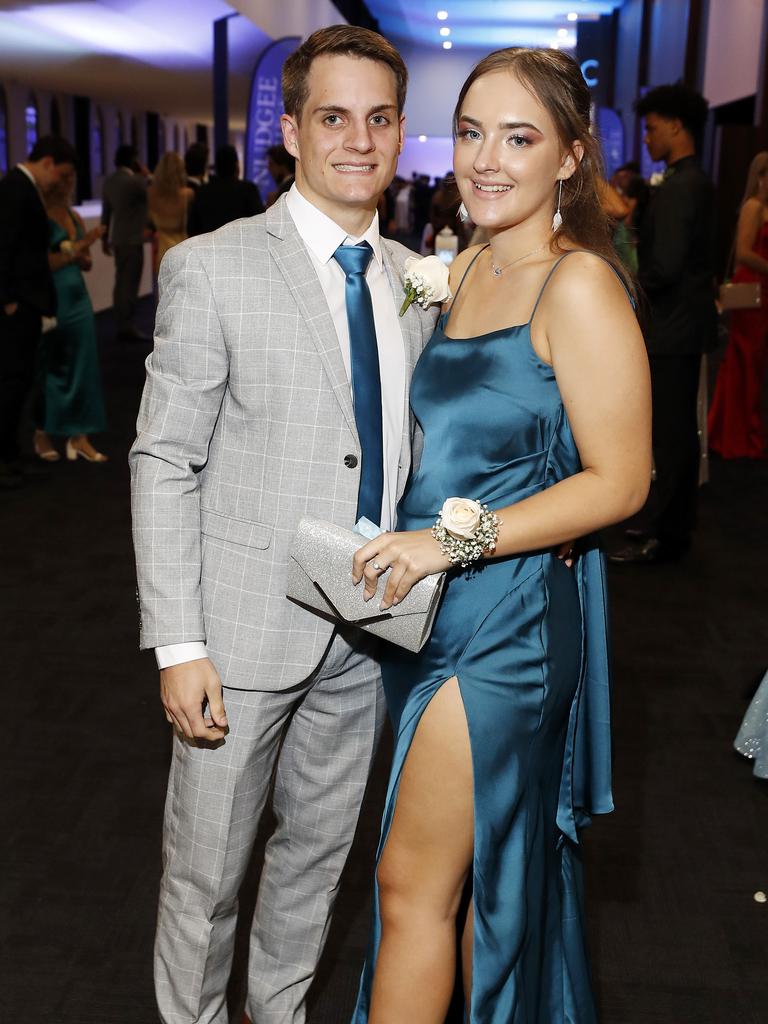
<point>594,67</point>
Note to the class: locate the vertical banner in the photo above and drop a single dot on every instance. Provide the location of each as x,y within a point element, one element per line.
<point>265,108</point>
<point>594,52</point>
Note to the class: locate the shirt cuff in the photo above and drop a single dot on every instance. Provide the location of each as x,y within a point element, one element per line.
<point>175,654</point>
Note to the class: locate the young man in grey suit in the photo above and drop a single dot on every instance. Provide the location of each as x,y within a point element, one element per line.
<point>124,216</point>
<point>261,405</point>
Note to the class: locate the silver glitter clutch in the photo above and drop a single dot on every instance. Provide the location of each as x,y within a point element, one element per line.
<point>320,578</point>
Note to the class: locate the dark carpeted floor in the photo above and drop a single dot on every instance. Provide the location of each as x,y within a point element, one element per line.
<point>675,932</point>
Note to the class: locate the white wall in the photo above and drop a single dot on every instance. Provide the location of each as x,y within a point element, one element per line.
<point>295,18</point>
<point>434,79</point>
<point>17,96</point>
<point>433,157</point>
<point>735,31</point>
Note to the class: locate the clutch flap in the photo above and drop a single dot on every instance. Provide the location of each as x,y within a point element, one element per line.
<point>324,551</point>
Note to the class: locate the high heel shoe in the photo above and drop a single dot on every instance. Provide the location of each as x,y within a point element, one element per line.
<point>83,448</point>
<point>43,448</point>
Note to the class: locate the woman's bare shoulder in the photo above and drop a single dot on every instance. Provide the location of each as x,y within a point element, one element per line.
<point>752,211</point>
<point>585,276</point>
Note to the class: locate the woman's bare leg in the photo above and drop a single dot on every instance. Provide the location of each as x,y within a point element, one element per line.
<point>423,868</point>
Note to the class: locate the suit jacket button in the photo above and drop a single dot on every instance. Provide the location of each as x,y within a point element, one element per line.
<point>350,461</point>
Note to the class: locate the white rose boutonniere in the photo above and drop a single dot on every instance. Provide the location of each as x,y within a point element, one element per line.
<point>656,179</point>
<point>461,516</point>
<point>425,281</point>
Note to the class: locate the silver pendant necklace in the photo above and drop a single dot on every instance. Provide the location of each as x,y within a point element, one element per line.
<point>498,271</point>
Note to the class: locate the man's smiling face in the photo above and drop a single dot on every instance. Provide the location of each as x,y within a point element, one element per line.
<point>348,136</point>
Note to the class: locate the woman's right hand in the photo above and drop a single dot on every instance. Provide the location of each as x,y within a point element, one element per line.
<point>93,235</point>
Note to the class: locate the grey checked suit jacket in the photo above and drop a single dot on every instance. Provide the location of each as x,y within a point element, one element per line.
<point>244,426</point>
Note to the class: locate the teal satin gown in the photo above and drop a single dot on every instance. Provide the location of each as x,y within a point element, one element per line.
<point>69,389</point>
<point>526,638</point>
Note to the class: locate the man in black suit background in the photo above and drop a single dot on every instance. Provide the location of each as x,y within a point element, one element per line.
<point>225,198</point>
<point>27,293</point>
<point>676,257</point>
<point>282,169</point>
<point>196,165</point>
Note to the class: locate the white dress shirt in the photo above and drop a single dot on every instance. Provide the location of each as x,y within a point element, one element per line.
<point>322,237</point>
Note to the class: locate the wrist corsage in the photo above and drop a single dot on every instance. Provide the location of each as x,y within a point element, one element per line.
<point>466,530</point>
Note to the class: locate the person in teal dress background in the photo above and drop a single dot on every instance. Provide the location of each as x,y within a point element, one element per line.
<point>69,400</point>
<point>533,397</point>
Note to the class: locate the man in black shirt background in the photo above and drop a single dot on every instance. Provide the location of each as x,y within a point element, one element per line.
<point>196,165</point>
<point>676,257</point>
<point>226,197</point>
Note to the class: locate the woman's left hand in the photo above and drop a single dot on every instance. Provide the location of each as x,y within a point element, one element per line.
<point>411,556</point>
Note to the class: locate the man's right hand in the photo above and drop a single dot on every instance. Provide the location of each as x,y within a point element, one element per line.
<point>10,308</point>
<point>184,691</point>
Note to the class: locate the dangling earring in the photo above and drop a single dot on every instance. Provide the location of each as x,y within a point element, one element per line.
<point>557,220</point>
<point>463,213</point>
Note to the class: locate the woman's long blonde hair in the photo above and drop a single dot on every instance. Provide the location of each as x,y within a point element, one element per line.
<point>169,177</point>
<point>757,169</point>
<point>555,79</point>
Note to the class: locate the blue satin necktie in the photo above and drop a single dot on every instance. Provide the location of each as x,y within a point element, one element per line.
<point>366,380</point>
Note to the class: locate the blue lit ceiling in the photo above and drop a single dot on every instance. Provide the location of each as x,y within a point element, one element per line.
<point>486,24</point>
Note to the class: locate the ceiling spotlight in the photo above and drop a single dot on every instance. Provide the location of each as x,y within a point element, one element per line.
<point>573,16</point>
<point>447,45</point>
<point>422,138</point>
<point>563,33</point>
<point>445,31</point>
<point>442,15</point>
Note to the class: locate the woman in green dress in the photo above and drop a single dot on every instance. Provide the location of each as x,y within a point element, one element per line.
<point>69,402</point>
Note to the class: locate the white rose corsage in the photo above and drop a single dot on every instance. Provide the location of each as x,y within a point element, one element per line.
<point>465,530</point>
<point>425,281</point>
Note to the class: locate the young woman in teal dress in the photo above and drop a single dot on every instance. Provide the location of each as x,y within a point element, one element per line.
<point>69,399</point>
<point>533,397</point>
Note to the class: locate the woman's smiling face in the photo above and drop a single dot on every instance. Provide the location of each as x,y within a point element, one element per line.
<point>507,157</point>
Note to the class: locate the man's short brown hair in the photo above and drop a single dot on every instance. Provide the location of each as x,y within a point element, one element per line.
<point>343,40</point>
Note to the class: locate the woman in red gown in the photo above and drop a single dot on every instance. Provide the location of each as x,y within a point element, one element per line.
<point>735,420</point>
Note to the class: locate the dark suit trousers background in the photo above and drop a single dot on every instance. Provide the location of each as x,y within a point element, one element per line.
<point>675,385</point>
<point>129,263</point>
<point>19,341</point>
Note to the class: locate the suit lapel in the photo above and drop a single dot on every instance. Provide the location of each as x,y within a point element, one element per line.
<point>295,265</point>
<point>410,322</point>
<point>411,328</point>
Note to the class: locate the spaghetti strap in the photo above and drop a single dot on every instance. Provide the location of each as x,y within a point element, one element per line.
<point>463,279</point>
<point>552,269</point>
<point>557,263</point>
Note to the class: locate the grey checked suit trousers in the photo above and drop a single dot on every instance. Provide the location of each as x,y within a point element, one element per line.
<point>319,740</point>
<point>246,423</point>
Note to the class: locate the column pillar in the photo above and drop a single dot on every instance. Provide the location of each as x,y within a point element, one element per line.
<point>221,81</point>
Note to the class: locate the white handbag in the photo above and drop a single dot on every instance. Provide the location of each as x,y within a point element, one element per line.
<point>320,578</point>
